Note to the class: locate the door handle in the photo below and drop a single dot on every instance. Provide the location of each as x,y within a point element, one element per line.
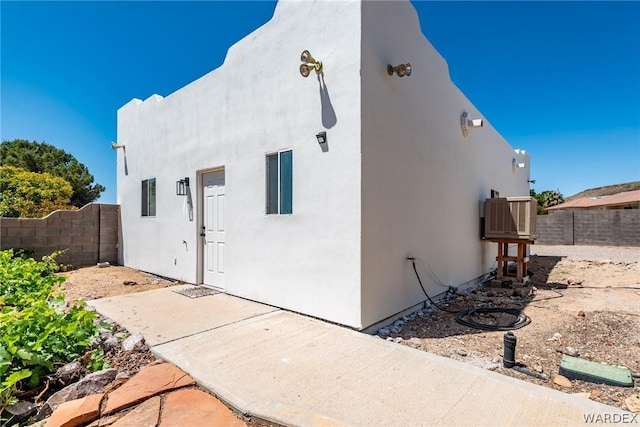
<point>202,234</point>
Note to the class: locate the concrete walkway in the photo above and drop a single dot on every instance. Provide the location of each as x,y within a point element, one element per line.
<point>294,370</point>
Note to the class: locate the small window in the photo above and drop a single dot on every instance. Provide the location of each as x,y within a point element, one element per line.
<point>149,197</point>
<point>280,183</point>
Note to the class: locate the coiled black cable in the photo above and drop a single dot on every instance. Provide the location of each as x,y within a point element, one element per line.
<point>469,316</point>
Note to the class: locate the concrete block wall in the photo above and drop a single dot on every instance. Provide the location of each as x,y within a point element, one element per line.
<point>87,236</point>
<point>615,227</point>
<point>555,228</point>
<point>607,227</point>
<point>549,229</point>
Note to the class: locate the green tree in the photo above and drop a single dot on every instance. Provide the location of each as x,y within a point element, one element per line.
<point>547,199</point>
<point>31,195</point>
<point>41,157</point>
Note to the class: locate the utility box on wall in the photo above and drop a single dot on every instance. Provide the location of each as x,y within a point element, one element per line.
<point>510,218</point>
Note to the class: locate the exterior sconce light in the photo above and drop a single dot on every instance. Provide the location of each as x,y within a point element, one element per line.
<point>115,146</point>
<point>401,70</point>
<point>322,138</point>
<point>182,186</point>
<point>465,124</point>
<point>310,63</point>
<point>515,165</point>
<point>531,181</point>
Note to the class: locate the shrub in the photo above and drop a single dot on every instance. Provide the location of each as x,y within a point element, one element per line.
<point>32,195</point>
<point>37,329</point>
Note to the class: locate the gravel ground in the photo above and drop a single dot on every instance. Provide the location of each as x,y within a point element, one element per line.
<point>583,301</point>
<point>589,253</point>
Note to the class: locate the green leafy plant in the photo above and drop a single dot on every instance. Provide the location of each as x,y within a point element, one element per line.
<point>546,199</point>
<point>41,158</point>
<point>8,387</point>
<point>37,328</point>
<point>32,195</point>
<point>96,361</point>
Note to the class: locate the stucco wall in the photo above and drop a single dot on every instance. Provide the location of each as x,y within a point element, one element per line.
<point>87,236</point>
<point>398,179</point>
<point>257,103</point>
<point>616,227</point>
<point>423,184</point>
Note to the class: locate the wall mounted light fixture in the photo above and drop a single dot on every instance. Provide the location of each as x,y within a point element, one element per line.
<point>115,146</point>
<point>401,70</point>
<point>517,165</point>
<point>466,124</point>
<point>321,137</point>
<point>182,186</point>
<point>310,63</point>
<point>531,181</point>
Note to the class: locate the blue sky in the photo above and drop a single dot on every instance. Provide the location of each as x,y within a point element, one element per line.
<point>559,79</point>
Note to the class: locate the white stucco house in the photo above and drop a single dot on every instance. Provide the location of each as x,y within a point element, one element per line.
<point>272,215</point>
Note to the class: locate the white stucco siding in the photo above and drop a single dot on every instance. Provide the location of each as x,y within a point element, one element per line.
<point>398,179</point>
<point>422,182</point>
<point>154,149</point>
<point>257,103</point>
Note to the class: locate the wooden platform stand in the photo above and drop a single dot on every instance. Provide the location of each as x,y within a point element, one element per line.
<point>504,258</point>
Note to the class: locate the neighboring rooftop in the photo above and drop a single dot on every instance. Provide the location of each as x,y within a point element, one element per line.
<point>623,200</point>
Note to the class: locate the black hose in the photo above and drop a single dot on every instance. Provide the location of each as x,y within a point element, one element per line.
<point>526,371</point>
<point>467,317</point>
<point>413,261</point>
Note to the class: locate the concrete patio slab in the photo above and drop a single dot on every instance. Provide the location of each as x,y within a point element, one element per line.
<point>298,371</point>
<point>294,370</point>
<point>162,315</point>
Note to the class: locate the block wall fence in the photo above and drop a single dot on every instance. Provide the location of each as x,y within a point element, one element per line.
<point>87,236</point>
<point>615,227</point>
<point>92,234</point>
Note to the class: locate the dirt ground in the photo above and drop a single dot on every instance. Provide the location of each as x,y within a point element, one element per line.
<point>93,282</point>
<point>589,309</point>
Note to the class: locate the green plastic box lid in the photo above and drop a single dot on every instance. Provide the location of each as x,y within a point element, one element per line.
<point>580,369</point>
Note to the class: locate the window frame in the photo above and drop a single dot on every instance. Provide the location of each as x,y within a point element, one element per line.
<point>148,198</point>
<point>279,195</point>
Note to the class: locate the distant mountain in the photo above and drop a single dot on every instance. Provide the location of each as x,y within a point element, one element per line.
<point>607,190</point>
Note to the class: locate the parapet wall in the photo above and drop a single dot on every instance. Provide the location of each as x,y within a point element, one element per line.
<point>87,236</point>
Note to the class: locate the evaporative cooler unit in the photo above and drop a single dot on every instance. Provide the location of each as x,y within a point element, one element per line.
<point>510,218</point>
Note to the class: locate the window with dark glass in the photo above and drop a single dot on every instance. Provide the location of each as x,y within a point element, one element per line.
<point>280,183</point>
<point>149,197</point>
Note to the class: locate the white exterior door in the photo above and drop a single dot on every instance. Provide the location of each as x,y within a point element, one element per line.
<point>213,236</point>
